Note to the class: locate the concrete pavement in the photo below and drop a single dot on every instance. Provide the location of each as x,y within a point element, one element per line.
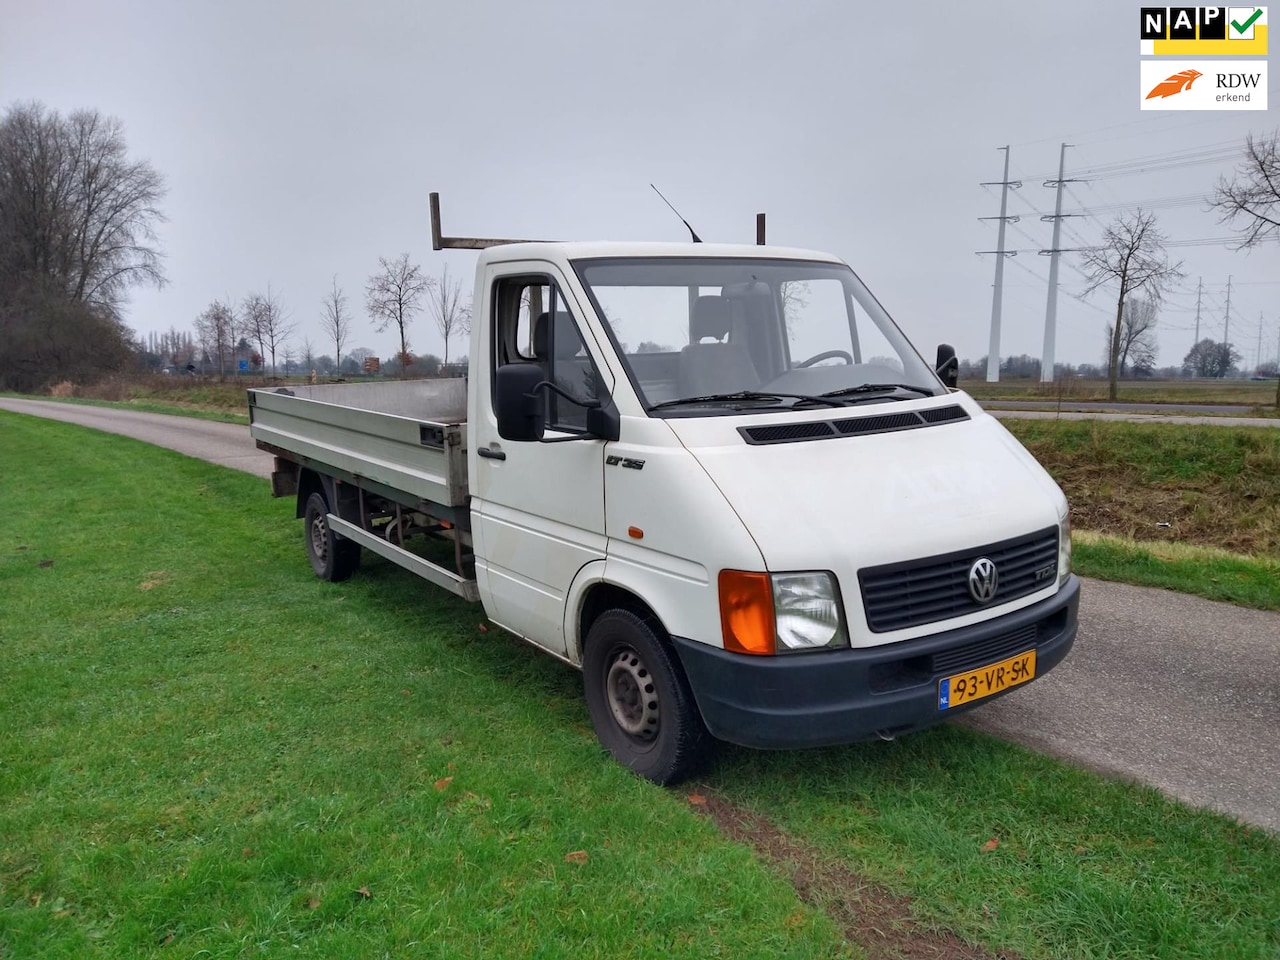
<point>1168,689</point>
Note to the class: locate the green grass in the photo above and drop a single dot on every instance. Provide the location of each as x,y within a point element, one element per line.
<point>1205,485</point>
<point>1188,508</point>
<point>205,751</point>
<point>1214,574</point>
<point>1084,867</point>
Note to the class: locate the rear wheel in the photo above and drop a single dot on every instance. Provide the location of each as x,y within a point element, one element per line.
<point>639,700</point>
<point>331,558</point>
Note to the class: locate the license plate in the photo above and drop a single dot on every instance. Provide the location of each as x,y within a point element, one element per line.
<point>984,681</point>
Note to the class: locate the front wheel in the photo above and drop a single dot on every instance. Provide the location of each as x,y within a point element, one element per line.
<point>639,700</point>
<point>332,559</point>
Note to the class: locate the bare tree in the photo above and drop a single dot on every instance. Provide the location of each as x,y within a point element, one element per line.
<point>252,325</point>
<point>308,356</point>
<point>1132,256</point>
<point>1138,343</point>
<point>451,314</point>
<point>216,328</point>
<point>77,230</point>
<point>393,296</point>
<point>795,299</point>
<point>74,210</point>
<point>1250,200</point>
<point>336,321</point>
<point>265,322</point>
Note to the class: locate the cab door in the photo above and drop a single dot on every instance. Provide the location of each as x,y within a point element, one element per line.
<point>538,507</point>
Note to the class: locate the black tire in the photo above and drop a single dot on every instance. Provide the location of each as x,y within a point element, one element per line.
<point>639,700</point>
<point>332,559</point>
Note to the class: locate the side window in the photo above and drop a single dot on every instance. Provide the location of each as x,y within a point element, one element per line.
<point>535,325</point>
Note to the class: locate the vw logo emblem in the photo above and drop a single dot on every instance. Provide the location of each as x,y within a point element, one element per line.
<point>983,580</point>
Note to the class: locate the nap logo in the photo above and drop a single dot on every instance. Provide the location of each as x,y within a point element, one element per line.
<point>1203,31</point>
<point>1203,85</point>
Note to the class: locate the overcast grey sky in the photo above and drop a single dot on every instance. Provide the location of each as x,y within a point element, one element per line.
<point>300,139</point>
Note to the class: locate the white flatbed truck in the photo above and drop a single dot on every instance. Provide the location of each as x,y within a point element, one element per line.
<point>718,479</point>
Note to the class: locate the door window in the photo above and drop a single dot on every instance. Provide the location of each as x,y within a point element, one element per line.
<point>536,325</point>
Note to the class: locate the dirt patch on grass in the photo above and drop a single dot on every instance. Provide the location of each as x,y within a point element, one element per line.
<point>879,922</point>
<point>1206,485</point>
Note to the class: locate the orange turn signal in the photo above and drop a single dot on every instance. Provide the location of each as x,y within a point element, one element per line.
<point>746,612</point>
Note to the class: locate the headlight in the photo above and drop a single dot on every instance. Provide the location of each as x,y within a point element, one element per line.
<point>807,613</point>
<point>1064,548</point>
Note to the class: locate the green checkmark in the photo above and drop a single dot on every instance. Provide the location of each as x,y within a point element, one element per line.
<point>1242,27</point>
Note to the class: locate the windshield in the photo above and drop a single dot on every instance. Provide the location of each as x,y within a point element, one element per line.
<point>701,337</point>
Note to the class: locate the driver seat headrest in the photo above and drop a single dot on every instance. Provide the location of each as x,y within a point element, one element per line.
<point>567,341</point>
<point>710,318</point>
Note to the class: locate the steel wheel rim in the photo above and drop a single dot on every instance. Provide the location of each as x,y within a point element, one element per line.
<point>320,539</point>
<point>632,695</point>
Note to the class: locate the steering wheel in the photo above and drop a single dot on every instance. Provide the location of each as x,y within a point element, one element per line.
<point>825,355</point>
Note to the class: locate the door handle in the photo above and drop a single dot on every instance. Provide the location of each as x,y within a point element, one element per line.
<point>492,453</point>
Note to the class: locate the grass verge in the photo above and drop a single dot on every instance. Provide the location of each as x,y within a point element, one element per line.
<point>205,750</point>
<point>1202,485</point>
<point>1020,852</point>
<point>1188,508</point>
<point>1203,571</point>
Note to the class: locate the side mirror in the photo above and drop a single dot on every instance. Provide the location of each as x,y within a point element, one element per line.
<point>947,367</point>
<point>517,403</point>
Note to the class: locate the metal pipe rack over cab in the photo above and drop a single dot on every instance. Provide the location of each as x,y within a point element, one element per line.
<point>718,479</point>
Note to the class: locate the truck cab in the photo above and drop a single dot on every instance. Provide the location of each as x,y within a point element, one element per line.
<point>720,481</point>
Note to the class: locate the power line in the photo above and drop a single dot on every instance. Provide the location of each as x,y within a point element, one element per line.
<point>1151,203</point>
<point>1150,163</point>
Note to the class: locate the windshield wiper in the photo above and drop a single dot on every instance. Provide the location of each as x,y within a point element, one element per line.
<point>879,388</point>
<point>827,399</point>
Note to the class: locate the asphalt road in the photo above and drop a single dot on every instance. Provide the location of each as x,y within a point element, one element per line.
<point>1118,406</point>
<point>227,444</point>
<point>1273,422</point>
<point>1162,688</point>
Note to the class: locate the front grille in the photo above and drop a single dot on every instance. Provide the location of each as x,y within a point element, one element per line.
<point>910,671</point>
<point>983,652</point>
<point>899,595</point>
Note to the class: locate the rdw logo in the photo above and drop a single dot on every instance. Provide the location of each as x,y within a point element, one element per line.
<point>1178,83</point>
<point>1203,85</point>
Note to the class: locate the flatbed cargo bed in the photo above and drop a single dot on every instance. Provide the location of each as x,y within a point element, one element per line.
<point>408,435</point>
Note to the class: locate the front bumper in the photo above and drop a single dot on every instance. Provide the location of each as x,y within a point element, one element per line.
<point>821,699</point>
